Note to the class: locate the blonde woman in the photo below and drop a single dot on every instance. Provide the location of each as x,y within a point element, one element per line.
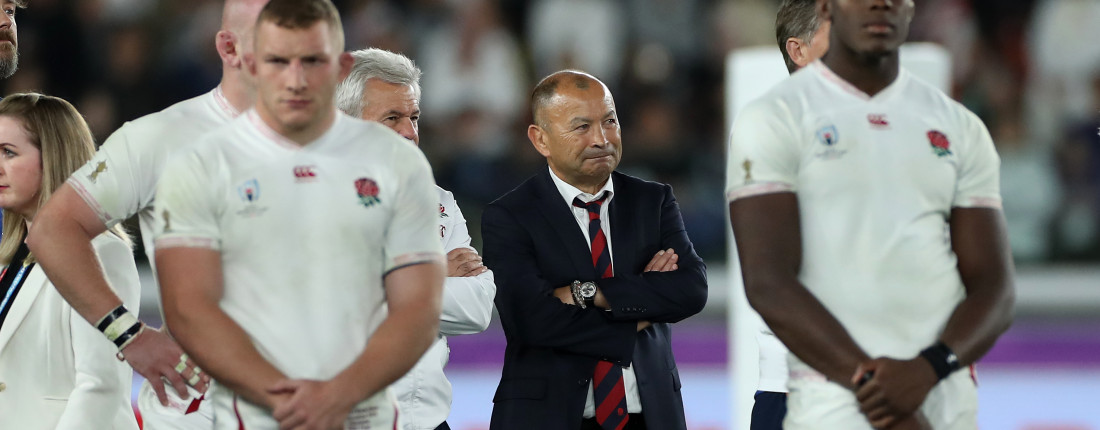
<point>56,370</point>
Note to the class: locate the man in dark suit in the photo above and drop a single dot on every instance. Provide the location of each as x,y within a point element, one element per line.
<point>592,265</point>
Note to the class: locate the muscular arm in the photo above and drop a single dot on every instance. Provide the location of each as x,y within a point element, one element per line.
<point>191,287</point>
<point>413,295</point>
<point>61,240</point>
<point>979,240</point>
<point>766,228</point>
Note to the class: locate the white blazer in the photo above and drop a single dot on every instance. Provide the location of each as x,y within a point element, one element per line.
<point>56,370</point>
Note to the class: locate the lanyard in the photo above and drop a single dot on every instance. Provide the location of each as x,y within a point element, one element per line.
<point>13,286</point>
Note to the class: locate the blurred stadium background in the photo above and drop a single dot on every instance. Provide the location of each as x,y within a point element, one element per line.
<point>1029,68</point>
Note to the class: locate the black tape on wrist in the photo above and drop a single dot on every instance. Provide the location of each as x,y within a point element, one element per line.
<point>129,333</point>
<point>942,358</point>
<point>110,318</point>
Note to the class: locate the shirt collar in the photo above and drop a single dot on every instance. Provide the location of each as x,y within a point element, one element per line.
<point>569,192</point>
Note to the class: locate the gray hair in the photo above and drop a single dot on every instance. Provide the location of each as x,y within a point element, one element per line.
<point>373,63</point>
<point>796,18</point>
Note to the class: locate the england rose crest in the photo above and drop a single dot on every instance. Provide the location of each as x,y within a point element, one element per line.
<point>940,145</point>
<point>368,191</point>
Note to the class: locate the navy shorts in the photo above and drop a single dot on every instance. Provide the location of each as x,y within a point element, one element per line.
<point>768,411</point>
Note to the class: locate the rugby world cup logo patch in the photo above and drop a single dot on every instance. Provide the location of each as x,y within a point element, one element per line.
<point>368,191</point>
<point>249,190</point>
<point>827,135</point>
<point>940,145</point>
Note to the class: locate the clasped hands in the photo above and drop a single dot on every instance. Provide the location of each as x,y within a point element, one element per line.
<point>891,398</point>
<point>663,261</point>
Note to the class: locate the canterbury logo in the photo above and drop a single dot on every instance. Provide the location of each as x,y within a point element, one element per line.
<point>878,120</point>
<point>304,172</point>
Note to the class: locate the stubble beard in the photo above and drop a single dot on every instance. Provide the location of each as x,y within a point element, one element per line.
<point>9,61</point>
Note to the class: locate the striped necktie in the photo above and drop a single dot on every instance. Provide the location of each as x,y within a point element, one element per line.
<point>608,389</point>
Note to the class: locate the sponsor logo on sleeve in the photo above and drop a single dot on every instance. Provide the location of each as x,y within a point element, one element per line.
<point>443,211</point>
<point>99,168</point>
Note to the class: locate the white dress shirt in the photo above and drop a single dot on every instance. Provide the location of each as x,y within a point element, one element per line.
<point>424,394</point>
<point>568,193</point>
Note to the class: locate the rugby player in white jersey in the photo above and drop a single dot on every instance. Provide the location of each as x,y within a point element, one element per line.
<point>119,182</point>
<point>802,39</point>
<point>283,237</point>
<point>866,208</point>
<point>385,87</point>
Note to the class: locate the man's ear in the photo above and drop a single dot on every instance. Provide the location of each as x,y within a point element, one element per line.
<point>227,44</point>
<point>794,50</point>
<point>346,61</point>
<point>824,12</point>
<point>537,136</point>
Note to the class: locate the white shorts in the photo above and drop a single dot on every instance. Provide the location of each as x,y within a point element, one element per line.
<point>232,412</point>
<point>815,403</point>
<point>178,415</point>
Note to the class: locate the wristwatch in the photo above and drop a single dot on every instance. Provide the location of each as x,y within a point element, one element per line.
<point>584,293</point>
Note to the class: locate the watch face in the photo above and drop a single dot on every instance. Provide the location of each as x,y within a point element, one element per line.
<point>588,290</point>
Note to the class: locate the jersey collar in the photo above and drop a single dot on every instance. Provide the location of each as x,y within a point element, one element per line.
<point>828,75</point>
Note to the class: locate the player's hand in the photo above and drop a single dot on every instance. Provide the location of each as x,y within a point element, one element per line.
<point>663,261</point>
<point>155,355</point>
<point>464,262</point>
<point>565,294</point>
<point>896,390</point>
<point>642,325</point>
<point>313,405</point>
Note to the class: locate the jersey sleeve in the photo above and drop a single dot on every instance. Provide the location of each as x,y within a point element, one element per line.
<point>978,184</point>
<point>412,237</point>
<point>187,205</point>
<point>112,183</point>
<point>763,154</point>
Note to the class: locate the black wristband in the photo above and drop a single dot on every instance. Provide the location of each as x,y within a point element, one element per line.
<point>942,358</point>
<point>110,318</point>
<point>130,332</point>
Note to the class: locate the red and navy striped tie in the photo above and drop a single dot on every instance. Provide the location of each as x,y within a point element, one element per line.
<point>608,389</point>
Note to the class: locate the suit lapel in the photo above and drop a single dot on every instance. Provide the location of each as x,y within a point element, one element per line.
<point>21,305</point>
<point>553,209</point>
<point>620,212</point>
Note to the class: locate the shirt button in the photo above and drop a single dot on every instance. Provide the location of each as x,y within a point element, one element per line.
<point>582,381</point>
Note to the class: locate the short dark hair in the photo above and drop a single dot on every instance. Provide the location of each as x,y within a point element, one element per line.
<point>301,14</point>
<point>796,18</point>
<point>548,86</point>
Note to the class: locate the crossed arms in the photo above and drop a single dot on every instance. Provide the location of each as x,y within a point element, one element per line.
<point>533,315</point>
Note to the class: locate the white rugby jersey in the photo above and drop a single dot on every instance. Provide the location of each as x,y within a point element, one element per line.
<point>121,179</point>
<point>876,179</point>
<point>306,233</point>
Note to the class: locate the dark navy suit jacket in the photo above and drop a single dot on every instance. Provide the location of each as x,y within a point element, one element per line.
<point>534,245</point>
